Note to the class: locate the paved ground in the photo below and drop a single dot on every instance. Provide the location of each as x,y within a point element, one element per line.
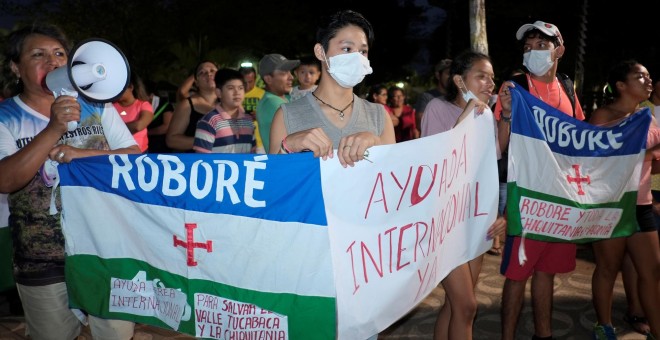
<point>573,315</point>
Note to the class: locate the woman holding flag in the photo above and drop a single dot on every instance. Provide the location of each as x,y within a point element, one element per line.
<point>629,84</point>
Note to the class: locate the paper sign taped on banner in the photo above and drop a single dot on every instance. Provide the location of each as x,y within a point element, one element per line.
<point>566,222</point>
<point>220,318</point>
<point>148,298</point>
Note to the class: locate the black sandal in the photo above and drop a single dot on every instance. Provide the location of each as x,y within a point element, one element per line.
<point>637,323</point>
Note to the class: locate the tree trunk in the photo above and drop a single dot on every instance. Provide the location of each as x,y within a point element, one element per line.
<point>478,36</point>
<point>582,43</point>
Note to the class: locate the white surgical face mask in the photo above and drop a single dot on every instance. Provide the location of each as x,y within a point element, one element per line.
<point>492,100</point>
<point>467,95</point>
<point>348,69</point>
<point>538,61</point>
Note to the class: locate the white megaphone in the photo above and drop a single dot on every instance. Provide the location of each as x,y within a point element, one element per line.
<point>96,69</point>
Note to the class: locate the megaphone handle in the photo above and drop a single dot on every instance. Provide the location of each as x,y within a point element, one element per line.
<point>71,125</point>
<point>65,92</point>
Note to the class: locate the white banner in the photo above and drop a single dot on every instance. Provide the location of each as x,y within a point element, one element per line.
<point>400,223</point>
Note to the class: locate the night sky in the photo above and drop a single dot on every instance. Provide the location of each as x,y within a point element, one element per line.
<point>411,36</point>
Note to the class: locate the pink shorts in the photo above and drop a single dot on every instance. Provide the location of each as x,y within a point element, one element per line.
<point>547,257</point>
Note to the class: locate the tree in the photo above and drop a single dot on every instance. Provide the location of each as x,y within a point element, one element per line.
<point>478,35</point>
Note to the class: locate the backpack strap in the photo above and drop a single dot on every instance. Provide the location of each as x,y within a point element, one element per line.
<point>567,84</point>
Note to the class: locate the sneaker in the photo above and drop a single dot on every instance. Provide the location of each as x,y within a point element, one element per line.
<point>604,332</point>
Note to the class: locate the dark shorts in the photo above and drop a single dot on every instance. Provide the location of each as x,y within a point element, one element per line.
<point>646,219</point>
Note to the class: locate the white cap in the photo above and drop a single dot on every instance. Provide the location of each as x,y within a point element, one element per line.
<point>547,29</point>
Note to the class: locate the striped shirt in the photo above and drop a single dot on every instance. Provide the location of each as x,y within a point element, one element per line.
<point>218,132</point>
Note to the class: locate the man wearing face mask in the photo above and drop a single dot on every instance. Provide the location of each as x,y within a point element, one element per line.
<point>543,46</point>
<point>333,117</point>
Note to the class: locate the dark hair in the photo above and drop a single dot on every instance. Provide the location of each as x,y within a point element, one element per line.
<point>536,33</point>
<point>460,66</point>
<point>199,64</point>
<point>330,25</point>
<point>391,91</point>
<point>139,90</point>
<point>310,61</point>
<point>226,74</point>
<point>245,70</point>
<point>619,72</point>
<point>375,89</point>
<point>16,40</point>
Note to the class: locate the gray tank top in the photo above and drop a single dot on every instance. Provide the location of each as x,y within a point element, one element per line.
<point>305,113</point>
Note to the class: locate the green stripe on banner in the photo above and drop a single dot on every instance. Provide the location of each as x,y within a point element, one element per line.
<point>6,265</point>
<point>88,281</point>
<point>626,226</point>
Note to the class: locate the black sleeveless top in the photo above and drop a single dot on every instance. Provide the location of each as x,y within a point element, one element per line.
<point>194,118</point>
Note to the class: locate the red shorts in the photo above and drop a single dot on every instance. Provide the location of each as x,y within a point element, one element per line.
<point>547,257</point>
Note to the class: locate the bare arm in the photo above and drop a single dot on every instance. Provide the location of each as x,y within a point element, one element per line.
<point>277,133</point>
<point>504,124</point>
<point>142,122</point>
<point>471,106</point>
<point>497,228</point>
<point>183,92</point>
<point>387,136</point>
<point>71,153</point>
<point>20,167</point>
<point>314,140</point>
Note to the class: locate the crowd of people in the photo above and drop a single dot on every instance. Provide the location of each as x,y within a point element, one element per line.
<point>311,105</point>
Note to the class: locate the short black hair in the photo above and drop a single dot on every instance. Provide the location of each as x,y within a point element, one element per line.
<point>226,74</point>
<point>310,61</point>
<point>330,25</point>
<point>245,70</point>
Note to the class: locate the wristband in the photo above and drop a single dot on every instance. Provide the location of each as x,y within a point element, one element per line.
<point>283,146</point>
<point>506,119</point>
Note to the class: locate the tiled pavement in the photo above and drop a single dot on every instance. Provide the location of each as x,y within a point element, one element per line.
<point>573,314</point>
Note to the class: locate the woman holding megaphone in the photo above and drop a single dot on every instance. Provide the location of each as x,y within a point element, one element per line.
<point>33,139</point>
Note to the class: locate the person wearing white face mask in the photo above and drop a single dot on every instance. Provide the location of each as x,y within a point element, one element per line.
<point>333,117</point>
<point>543,46</point>
<point>469,88</point>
